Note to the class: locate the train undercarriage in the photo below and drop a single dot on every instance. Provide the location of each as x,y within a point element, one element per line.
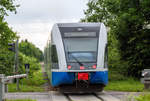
<point>81,85</point>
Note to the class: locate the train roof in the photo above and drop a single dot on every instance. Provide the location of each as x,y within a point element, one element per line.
<point>77,24</point>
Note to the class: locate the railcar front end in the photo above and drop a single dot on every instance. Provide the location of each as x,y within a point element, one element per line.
<point>79,56</point>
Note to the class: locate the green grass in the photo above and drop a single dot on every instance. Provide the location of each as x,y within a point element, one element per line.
<point>129,85</point>
<point>25,88</point>
<point>119,82</point>
<point>36,79</point>
<point>21,100</point>
<point>145,97</point>
<point>32,84</point>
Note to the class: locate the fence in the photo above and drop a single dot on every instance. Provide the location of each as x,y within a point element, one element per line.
<point>4,79</point>
<point>146,78</point>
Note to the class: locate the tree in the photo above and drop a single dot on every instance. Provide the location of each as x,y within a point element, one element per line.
<point>6,33</point>
<point>31,50</point>
<point>7,5</point>
<point>129,22</point>
<point>6,36</point>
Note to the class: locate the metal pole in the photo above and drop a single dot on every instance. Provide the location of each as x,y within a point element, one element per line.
<point>17,63</point>
<point>2,87</point>
<point>6,88</point>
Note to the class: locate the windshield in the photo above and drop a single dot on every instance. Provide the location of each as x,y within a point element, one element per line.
<point>81,49</point>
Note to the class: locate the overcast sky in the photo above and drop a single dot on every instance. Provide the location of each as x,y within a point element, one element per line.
<point>34,18</point>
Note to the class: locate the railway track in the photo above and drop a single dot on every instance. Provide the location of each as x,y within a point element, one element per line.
<point>57,96</point>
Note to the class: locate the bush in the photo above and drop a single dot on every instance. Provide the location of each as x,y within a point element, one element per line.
<point>34,64</point>
<point>115,76</point>
<point>117,67</point>
<point>35,76</point>
<point>36,79</point>
<point>6,62</point>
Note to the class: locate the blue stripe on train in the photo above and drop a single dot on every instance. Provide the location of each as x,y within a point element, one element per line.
<point>59,78</point>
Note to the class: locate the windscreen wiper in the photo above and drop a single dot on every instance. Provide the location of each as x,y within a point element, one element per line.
<point>81,64</point>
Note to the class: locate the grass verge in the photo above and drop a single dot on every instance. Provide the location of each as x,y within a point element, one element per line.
<point>145,97</point>
<point>32,84</point>
<point>129,85</point>
<point>24,88</point>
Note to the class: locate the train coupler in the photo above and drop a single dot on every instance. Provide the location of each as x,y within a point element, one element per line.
<point>82,80</point>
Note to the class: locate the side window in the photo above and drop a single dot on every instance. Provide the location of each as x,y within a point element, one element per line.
<point>54,57</point>
<point>106,57</point>
<point>54,54</point>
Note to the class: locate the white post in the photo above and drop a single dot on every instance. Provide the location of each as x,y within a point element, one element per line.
<point>2,87</point>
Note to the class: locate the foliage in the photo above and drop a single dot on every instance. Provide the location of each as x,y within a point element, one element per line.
<point>7,5</point>
<point>129,85</point>
<point>34,64</point>
<point>31,50</point>
<point>6,62</point>
<point>21,100</point>
<point>6,57</point>
<point>115,75</point>
<point>36,79</point>
<point>6,36</point>
<point>115,64</point>
<point>6,33</point>
<point>129,22</point>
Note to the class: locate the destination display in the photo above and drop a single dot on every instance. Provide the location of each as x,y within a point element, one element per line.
<point>80,34</point>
